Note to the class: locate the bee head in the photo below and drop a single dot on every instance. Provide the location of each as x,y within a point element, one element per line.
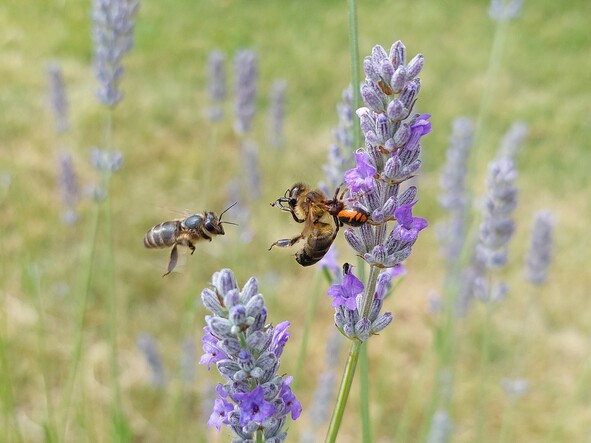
<point>212,224</point>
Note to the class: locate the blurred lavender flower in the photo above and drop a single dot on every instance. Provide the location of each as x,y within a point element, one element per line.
<point>57,98</point>
<point>339,151</point>
<point>246,352</point>
<point>505,10</point>
<point>241,213</point>
<point>245,90</point>
<point>513,140</point>
<point>453,197</point>
<point>113,25</point>
<point>515,387</point>
<point>148,346</point>
<point>187,360</point>
<point>497,226</point>
<point>106,161</point>
<point>252,168</point>
<point>68,184</point>
<point>441,428</point>
<point>539,255</point>
<point>216,67</point>
<point>330,263</point>
<point>496,229</point>
<point>347,299</point>
<point>276,116</point>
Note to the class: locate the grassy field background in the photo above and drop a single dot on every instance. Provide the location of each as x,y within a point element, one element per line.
<point>161,130</point>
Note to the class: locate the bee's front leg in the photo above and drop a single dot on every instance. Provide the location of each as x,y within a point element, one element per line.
<point>287,242</point>
<point>191,247</point>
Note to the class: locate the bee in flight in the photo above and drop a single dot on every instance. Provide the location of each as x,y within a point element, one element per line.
<point>185,232</point>
<point>322,218</point>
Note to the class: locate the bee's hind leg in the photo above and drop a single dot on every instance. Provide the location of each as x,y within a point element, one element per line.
<point>174,256</point>
<point>287,242</point>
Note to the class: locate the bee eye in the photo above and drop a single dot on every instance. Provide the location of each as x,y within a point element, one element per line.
<point>209,226</point>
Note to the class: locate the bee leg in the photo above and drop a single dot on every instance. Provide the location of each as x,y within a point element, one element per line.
<point>191,247</point>
<point>286,242</point>
<point>174,256</point>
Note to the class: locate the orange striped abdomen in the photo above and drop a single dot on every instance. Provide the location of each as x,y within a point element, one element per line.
<point>162,235</point>
<point>353,216</point>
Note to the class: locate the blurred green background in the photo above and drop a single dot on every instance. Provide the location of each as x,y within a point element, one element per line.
<point>160,127</point>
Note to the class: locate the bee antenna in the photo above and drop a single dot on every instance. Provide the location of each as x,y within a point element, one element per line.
<point>229,223</point>
<point>226,210</point>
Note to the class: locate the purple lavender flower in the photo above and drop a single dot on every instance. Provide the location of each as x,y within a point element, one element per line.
<point>216,88</point>
<point>246,352</point>
<point>347,300</point>
<point>113,25</point>
<point>345,294</point>
<point>57,98</point>
<point>408,227</point>
<point>221,409</point>
<point>330,263</point>
<point>252,168</point>
<point>539,255</point>
<point>360,178</point>
<point>513,140</point>
<point>106,161</point>
<point>245,90</point>
<point>276,114</point>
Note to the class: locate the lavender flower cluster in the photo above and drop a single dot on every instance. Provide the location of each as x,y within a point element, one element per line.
<point>347,299</point>
<point>216,66</point>
<point>539,255</point>
<point>245,89</point>
<point>113,21</point>
<point>246,352</point>
<point>390,156</point>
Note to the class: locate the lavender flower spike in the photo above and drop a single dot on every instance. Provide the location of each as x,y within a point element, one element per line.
<point>276,116</point>
<point>148,346</point>
<point>57,98</point>
<point>113,25</point>
<point>245,90</point>
<point>246,351</point>
<point>539,256</point>
<point>505,10</point>
<point>68,183</point>
<point>216,67</point>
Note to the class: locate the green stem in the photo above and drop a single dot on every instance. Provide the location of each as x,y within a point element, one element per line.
<point>84,291</point>
<point>343,395</point>
<point>364,391</point>
<point>484,360</point>
<point>312,304</point>
<point>259,436</point>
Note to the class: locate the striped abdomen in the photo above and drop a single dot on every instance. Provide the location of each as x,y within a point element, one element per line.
<point>162,235</point>
<point>317,245</point>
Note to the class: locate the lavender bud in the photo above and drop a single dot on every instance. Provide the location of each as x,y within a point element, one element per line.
<point>410,92</point>
<point>259,321</point>
<point>232,298</point>
<point>211,302</point>
<point>255,305</point>
<point>408,196</point>
<point>219,326</point>
<point>245,360</point>
<point>266,361</point>
<point>402,135</point>
<point>230,346</point>
<point>362,327</point>
<point>381,322</point>
<point>386,69</point>
<point>257,340</point>
<point>396,110</point>
<point>378,53</point>
<point>398,54</point>
<point>372,98</point>
<point>250,289</point>
<point>376,306</point>
<point>224,281</point>
<point>369,69</point>
<point>415,66</point>
<point>398,80</point>
<point>355,241</point>
<point>227,368</point>
<point>366,120</point>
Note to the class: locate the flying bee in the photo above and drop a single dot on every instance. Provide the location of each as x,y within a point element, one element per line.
<point>185,232</point>
<point>322,218</point>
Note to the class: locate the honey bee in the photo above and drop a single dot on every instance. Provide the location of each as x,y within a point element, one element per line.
<point>322,218</point>
<point>185,232</point>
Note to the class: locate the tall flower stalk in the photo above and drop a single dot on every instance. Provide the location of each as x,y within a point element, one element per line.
<point>255,401</point>
<point>389,158</point>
